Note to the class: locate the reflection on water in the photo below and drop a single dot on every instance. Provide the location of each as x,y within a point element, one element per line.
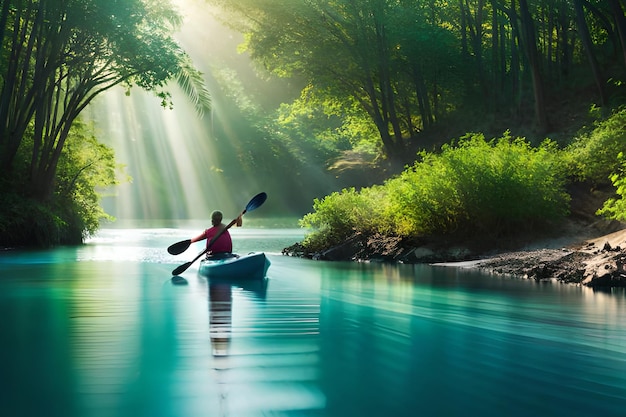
<point>220,298</point>
<point>220,317</point>
<point>87,334</point>
<point>220,295</point>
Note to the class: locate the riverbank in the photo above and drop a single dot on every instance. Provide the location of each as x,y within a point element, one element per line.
<point>597,262</point>
<point>584,249</point>
<point>591,255</point>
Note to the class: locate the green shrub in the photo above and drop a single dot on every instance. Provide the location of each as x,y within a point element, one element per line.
<point>86,165</point>
<point>475,187</point>
<point>593,156</point>
<point>482,187</point>
<point>339,215</point>
<point>615,208</point>
<point>73,211</point>
<point>424,198</point>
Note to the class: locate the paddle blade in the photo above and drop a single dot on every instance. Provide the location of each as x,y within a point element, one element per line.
<point>257,201</point>
<point>181,268</point>
<point>179,247</point>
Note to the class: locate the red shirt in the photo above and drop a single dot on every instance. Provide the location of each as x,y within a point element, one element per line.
<point>223,243</point>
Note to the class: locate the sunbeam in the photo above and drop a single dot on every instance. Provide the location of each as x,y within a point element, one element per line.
<point>182,165</point>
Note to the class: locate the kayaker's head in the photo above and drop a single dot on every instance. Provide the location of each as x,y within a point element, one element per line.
<point>216,217</point>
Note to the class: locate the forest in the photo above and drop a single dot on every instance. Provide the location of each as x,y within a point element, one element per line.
<point>472,117</point>
<point>56,57</point>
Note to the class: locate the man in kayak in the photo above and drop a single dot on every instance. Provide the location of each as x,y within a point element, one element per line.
<point>224,243</point>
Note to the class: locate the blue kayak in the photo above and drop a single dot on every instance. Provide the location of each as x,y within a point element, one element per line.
<point>252,266</point>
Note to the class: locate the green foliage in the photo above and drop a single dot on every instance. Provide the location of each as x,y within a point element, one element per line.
<point>474,188</point>
<point>482,187</point>
<point>368,55</point>
<point>340,214</point>
<point>85,167</point>
<point>615,208</point>
<point>413,65</point>
<point>191,82</point>
<point>326,124</point>
<point>73,212</point>
<point>306,121</point>
<point>55,58</point>
<point>90,47</point>
<point>27,222</point>
<point>592,156</point>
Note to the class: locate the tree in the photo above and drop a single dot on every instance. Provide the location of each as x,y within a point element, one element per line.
<point>529,38</point>
<point>472,27</point>
<point>85,166</point>
<point>375,52</point>
<point>620,22</point>
<point>57,56</point>
<point>411,63</point>
<point>587,43</point>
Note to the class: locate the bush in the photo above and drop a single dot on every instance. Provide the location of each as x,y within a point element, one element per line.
<point>474,188</point>
<point>339,215</point>
<point>73,211</point>
<point>593,156</point>
<point>615,208</point>
<point>85,166</point>
<point>482,187</point>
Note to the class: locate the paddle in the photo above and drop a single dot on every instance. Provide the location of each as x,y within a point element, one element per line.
<point>255,203</point>
<point>179,247</point>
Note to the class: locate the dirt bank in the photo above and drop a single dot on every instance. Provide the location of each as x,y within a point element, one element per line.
<point>597,262</point>
<point>573,257</point>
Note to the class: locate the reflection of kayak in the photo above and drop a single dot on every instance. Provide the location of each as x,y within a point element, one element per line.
<point>231,266</point>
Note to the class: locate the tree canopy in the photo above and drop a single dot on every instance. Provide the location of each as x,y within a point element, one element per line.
<point>58,55</point>
<point>412,63</point>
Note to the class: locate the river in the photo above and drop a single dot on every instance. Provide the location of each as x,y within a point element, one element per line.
<point>101,330</point>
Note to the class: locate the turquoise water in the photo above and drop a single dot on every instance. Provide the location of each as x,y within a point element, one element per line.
<point>101,330</point>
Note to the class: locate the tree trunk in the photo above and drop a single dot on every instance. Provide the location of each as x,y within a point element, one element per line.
<point>385,83</point>
<point>583,29</point>
<point>495,56</point>
<point>475,27</point>
<point>564,56</point>
<point>528,31</point>
<point>4,16</point>
<point>373,108</point>
<point>421,93</point>
<point>465,55</point>
<point>620,22</point>
<point>515,43</point>
<point>18,97</point>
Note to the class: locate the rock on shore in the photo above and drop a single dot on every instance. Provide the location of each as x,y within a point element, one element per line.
<point>596,262</point>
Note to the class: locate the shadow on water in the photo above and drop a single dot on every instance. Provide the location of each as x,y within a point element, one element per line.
<point>178,280</point>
